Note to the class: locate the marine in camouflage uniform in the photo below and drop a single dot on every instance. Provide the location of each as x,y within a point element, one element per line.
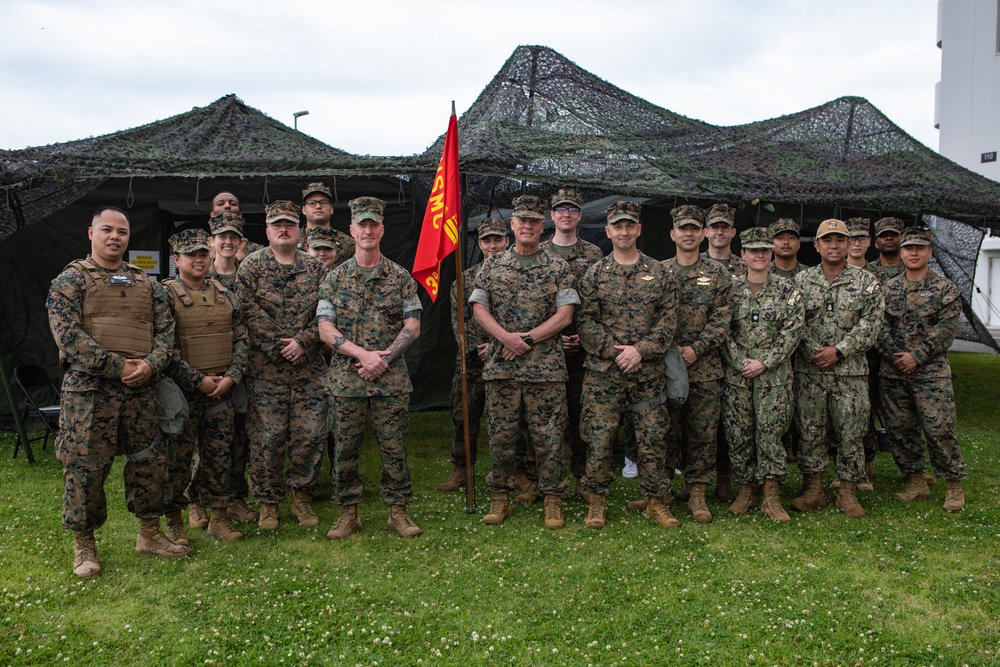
<point>207,363</point>
<point>321,243</point>
<point>112,326</point>
<point>785,235</point>
<point>922,311</point>
<point>226,229</point>
<point>279,289</point>
<point>317,207</point>
<point>369,313</point>
<point>566,210</point>
<point>492,234</point>
<point>524,298</point>
<point>626,322</point>
<point>757,404</point>
<point>704,295</point>
<point>843,315</point>
<point>887,233</point>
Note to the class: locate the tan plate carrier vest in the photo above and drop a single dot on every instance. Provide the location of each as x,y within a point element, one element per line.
<point>204,325</point>
<point>119,317</point>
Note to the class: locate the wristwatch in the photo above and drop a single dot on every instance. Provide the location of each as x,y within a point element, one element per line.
<point>840,355</point>
<point>529,340</point>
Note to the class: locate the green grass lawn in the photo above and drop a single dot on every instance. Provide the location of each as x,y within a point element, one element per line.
<point>908,585</point>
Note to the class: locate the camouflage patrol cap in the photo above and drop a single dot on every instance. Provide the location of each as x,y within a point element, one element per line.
<point>367,208</point>
<point>226,222</point>
<point>313,188</point>
<point>529,206</point>
<point>784,225</point>
<point>567,196</point>
<point>282,209</point>
<point>721,213</point>
<point>492,227</point>
<point>831,226</point>
<point>886,225</point>
<point>321,237</point>
<point>688,214</point>
<point>916,236</point>
<point>756,237</point>
<point>622,210</point>
<point>190,240</point>
<point>858,227</point>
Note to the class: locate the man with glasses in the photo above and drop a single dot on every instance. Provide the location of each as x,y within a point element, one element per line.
<point>317,207</point>
<point>567,211</point>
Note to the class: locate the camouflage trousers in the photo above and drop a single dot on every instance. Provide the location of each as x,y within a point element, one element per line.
<point>390,417</point>
<point>755,417</point>
<point>285,420</point>
<point>477,405</point>
<point>94,426</point>
<point>913,405</point>
<point>698,420</point>
<point>199,460</point>
<point>607,396</point>
<point>574,446</point>
<point>839,402</point>
<point>542,406</point>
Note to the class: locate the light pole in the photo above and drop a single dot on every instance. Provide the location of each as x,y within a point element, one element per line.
<point>296,116</point>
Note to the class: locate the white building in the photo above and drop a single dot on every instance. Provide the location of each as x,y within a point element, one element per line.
<point>967,113</point>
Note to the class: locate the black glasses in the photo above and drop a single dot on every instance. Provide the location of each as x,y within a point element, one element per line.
<point>567,209</point>
<point>318,203</point>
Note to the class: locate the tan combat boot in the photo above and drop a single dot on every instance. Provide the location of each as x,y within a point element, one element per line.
<point>770,505</point>
<point>658,510</point>
<point>916,489</point>
<point>582,492</point>
<point>500,510</point>
<point>85,563</point>
<point>268,516</point>
<point>152,542</point>
<point>724,488</point>
<point>240,511</point>
<point>197,517</point>
<point>638,505</point>
<point>455,481</point>
<point>595,512</point>
<point>867,485</point>
<point>745,501</point>
<point>220,527</point>
<point>929,478</point>
<point>553,512</point>
<point>814,495</point>
<point>347,524</point>
<point>954,499</point>
<point>847,500</point>
<point>399,522</point>
<point>696,504</point>
<point>175,529</point>
<point>302,508</point>
<point>529,490</point>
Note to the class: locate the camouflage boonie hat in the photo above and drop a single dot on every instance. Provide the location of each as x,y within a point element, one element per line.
<point>688,214</point>
<point>313,188</point>
<point>282,210</point>
<point>831,226</point>
<point>888,225</point>
<point>367,208</point>
<point>858,227</point>
<point>916,236</point>
<point>529,206</point>
<point>622,210</point>
<point>784,225</point>
<point>321,237</point>
<point>190,240</point>
<point>721,213</point>
<point>491,227</point>
<point>756,237</point>
<point>226,222</point>
<point>567,196</point>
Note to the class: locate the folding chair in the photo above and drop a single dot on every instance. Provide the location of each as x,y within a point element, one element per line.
<point>31,377</point>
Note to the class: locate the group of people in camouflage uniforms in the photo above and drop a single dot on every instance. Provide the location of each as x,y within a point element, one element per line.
<point>259,353</point>
<point>264,355</point>
<point>773,352</point>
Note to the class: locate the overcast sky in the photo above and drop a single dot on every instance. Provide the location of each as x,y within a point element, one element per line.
<point>378,77</point>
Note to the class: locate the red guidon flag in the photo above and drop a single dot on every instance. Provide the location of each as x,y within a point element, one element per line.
<point>439,233</point>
